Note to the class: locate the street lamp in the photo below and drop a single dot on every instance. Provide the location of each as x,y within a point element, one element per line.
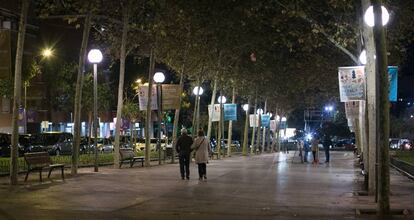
<point>246,107</point>
<point>47,52</point>
<point>197,91</point>
<point>259,111</point>
<point>95,57</point>
<point>284,119</point>
<point>221,99</point>
<point>159,79</point>
<point>369,16</point>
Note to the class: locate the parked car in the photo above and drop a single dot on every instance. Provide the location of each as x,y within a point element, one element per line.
<point>5,145</point>
<point>393,143</point>
<point>405,144</point>
<point>347,144</point>
<point>105,145</point>
<point>56,143</point>
<point>140,145</point>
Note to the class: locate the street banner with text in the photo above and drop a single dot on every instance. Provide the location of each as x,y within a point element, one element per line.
<point>230,112</point>
<point>265,121</point>
<point>273,125</point>
<point>216,112</point>
<point>143,98</point>
<point>171,96</point>
<point>351,83</point>
<point>352,109</point>
<point>254,120</point>
<point>393,78</point>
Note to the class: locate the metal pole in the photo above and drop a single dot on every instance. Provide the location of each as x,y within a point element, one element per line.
<point>159,91</point>
<point>95,113</point>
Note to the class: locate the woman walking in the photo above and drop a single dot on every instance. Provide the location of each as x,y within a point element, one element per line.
<point>315,150</point>
<point>202,147</point>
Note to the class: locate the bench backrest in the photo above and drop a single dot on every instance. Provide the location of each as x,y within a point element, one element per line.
<point>126,153</point>
<point>37,159</point>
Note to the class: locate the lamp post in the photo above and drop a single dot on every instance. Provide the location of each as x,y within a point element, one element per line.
<point>246,128</point>
<point>95,57</point>
<point>221,100</point>
<point>197,91</point>
<point>159,79</point>
<point>377,16</point>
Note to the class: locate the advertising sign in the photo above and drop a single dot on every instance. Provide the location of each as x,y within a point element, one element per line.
<point>170,96</point>
<point>352,109</point>
<point>273,125</point>
<point>265,120</point>
<point>143,98</point>
<point>253,120</point>
<point>393,78</point>
<point>230,112</point>
<point>351,83</point>
<point>216,112</point>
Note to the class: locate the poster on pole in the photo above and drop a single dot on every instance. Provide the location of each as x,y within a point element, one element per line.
<point>352,109</point>
<point>265,121</point>
<point>170,96</point>
<point>230,112</point>
<point>216,112</point>
<point>351,83</point>
<point>143,98</point>
<point>253,120</point>
<point>393,78</point>
<point>273,125</point>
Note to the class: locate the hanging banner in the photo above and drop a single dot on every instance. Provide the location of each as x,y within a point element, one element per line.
<point>230,112</point>
<point>21,120</point>
<point>273,125</point>
<point>393,78</point>
<point>351,83</point>
<point>170,96</point>
<point>253,120</point>
<point>216,112</point>
<point>265,121</point>
<point>143,98</point>
<point>352,109</point>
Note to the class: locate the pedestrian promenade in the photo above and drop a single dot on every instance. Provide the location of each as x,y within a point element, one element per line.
<point>267,186</point>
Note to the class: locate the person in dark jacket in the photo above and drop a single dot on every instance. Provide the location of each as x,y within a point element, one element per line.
<point>326,145</point>
<point>183,147</point>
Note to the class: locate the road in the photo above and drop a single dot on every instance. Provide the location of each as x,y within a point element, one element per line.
<point>268,186</point>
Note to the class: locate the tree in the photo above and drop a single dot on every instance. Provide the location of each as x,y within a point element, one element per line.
<point>14,169</point>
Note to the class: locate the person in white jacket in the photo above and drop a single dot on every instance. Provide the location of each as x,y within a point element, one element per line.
<point>202,148</point>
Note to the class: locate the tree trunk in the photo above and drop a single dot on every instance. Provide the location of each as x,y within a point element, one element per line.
<point>264,128</point>
<point>220,128</point>
<point>122,58</point>
<point>246,130</point>
<point>78,95</point>
<point>132,127</point>
<point>384,111</point>
<point>371,104</point>
<point>233,100</point>
<point>14,153</point>
<point>213,98</point>
<point>89,129</point>
<point>194,122</point>
<point>252,146</point>
<point>177,116</point>
<point>148,116</point>
<point>259,129</point>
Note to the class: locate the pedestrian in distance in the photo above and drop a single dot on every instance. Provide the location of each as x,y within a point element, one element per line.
<point>202,149</point>
<point>183,148</point>
<point>315,150</point>
<point>326,142</point>
<point>300,144</point>
<point>306,148</point>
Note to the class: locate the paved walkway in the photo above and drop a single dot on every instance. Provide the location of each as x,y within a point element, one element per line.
<point>268,186</point>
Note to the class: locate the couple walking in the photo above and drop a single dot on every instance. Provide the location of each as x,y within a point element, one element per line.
<point>185,145</point>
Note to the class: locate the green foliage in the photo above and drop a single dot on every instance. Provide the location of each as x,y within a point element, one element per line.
<point>105,96</point>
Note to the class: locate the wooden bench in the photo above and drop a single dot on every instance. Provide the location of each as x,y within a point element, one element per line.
<point>127,154</point>
<point>39,161</point>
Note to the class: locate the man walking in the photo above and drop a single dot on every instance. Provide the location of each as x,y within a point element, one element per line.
<point>326,145</point>
<point>183,147</point>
